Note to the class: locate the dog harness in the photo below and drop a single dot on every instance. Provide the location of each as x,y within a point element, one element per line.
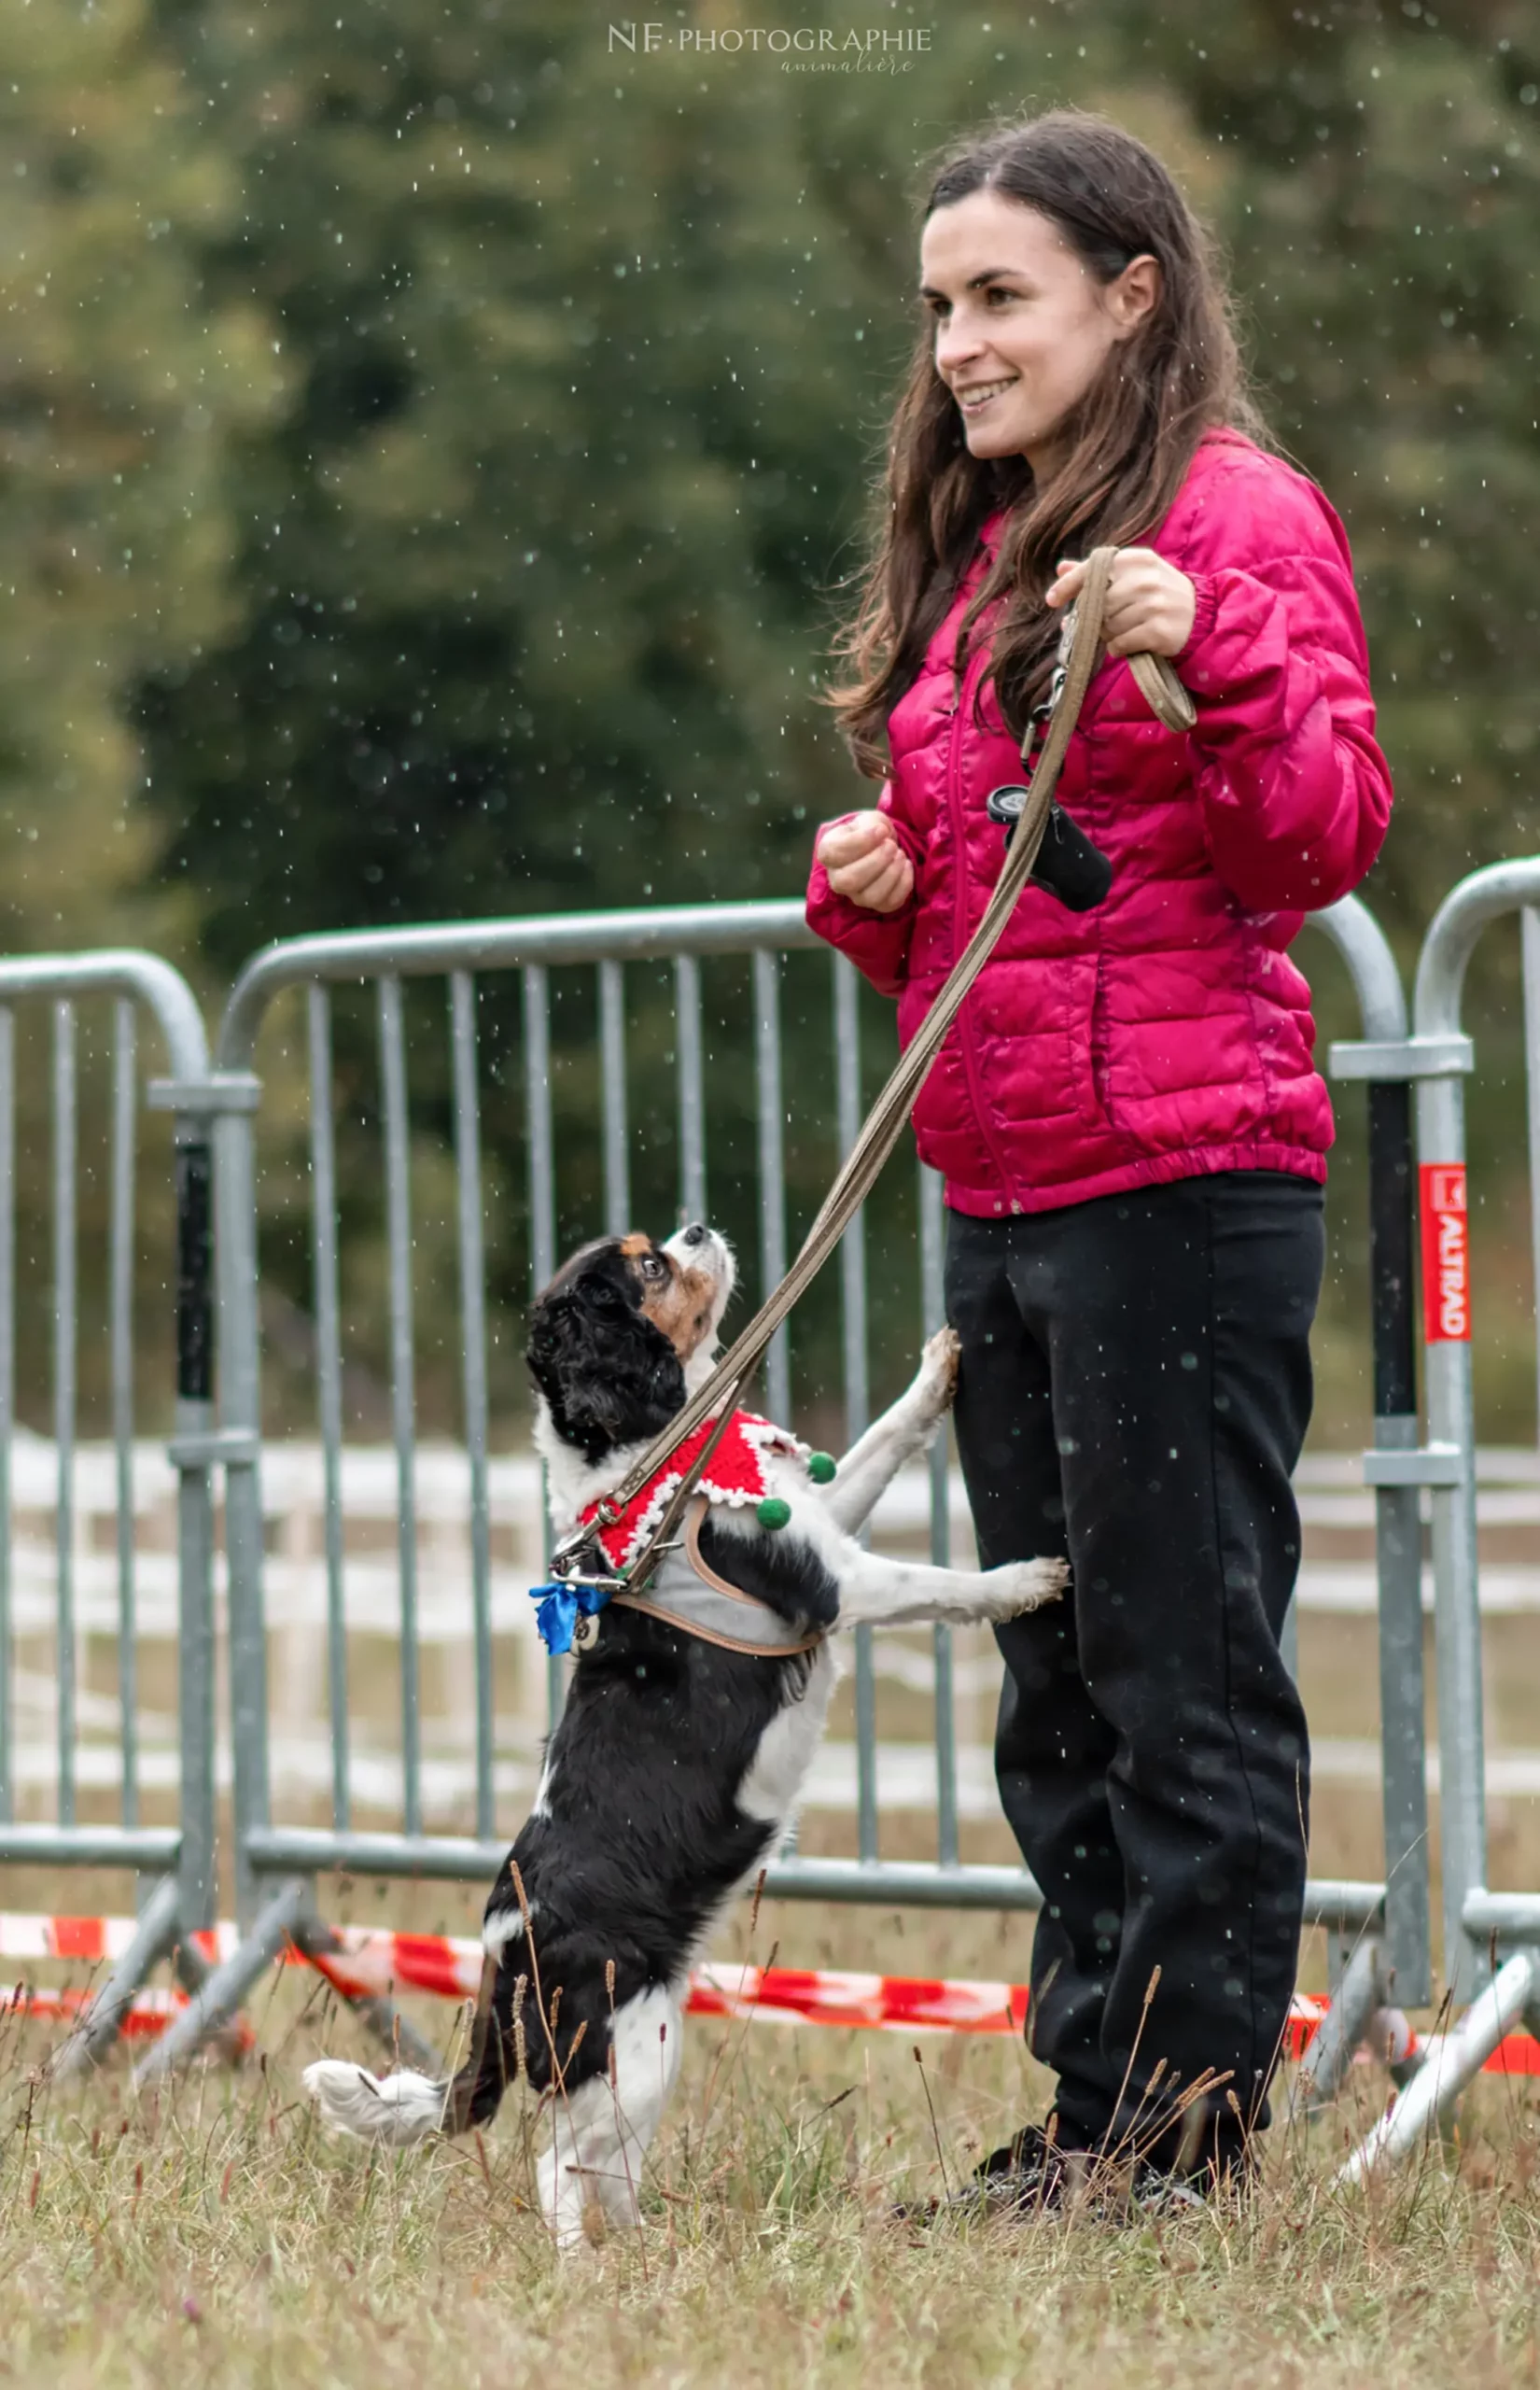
<point>687,1593</point>
<point>684,1591</point>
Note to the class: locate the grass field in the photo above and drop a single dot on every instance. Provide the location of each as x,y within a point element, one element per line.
<point>210,2232</point>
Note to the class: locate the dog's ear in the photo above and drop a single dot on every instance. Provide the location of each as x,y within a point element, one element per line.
<point>607,1374</point>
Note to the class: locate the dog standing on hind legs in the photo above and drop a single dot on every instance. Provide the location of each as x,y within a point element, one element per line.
<point>693,1718</point>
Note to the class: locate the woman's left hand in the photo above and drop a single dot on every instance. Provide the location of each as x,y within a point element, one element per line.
<point>1150,605</point>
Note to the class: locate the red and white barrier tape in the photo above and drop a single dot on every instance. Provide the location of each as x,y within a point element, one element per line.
<point>94,1939</point>
<point>150,2013</point>
<point>374,1961</point>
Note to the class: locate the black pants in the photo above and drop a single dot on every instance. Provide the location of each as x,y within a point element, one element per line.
<point>1134,1392</point>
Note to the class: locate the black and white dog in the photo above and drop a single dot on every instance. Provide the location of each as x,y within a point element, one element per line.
<point>679,1757</point>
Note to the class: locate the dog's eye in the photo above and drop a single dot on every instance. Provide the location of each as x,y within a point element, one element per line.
<point>652,1267</point>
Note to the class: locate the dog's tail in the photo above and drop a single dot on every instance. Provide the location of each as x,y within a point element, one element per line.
<point>405,2108</point>
<point>394,2108</point>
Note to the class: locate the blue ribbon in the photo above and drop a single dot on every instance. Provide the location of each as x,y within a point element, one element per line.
<point>559,1607</point>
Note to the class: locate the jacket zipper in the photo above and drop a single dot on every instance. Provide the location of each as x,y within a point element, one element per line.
<point>963,1027</point>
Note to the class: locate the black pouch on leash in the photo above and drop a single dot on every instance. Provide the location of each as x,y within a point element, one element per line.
<point>1068,865</point>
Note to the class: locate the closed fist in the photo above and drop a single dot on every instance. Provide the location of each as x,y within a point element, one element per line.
<point>1151,606</point>
<point>864,862</point>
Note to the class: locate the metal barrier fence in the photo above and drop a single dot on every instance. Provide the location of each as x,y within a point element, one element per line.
<point>277,1862</point>
<point>177,1861</point>
<point>1478,1925</point>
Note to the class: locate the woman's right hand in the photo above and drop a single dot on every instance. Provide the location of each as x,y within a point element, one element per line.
<point>863,861</point>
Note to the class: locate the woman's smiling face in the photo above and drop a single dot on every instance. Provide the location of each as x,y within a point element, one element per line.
<point>1023,327</point>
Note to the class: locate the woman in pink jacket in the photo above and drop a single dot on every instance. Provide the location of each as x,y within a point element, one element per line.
<point>1128,1115</point>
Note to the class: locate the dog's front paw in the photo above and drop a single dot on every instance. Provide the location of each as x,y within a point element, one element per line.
<point>937,1380</point>
<point>1022,1585</point>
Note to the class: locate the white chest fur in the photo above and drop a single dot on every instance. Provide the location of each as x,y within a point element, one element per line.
<point>772,1782</point>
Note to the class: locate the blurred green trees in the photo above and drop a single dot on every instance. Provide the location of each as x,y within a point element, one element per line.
<point>124,391</point>
<point>588,354</point>
<point>432,441</point>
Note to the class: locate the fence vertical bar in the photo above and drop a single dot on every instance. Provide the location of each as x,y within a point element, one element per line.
<point>617,1172</point>
<point>190,1452</point>
<point>932,1239</point>
<point>239,1290</point>
<point>1404,1951</point>
<point>467,1168</point>
<point>402,1380</point>
<point>1451,1422</point>
<point>772,1168</point>
<point>541,1147</point>
<point>120,1309</point>
<point>64,1197</point>
<point>857,1394</point>
<point>540,1138</point>
<point>8,1386</point>
<point>1529,932</point>
<point>329,1383</point>
<point>692,1087</point>
<point>1398,1545</point>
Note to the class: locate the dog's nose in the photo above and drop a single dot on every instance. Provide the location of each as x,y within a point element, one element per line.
<point>696,1233</point>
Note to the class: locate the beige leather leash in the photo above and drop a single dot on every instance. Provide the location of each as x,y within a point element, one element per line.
<point>884,1124</point>
<point>1162,691</point>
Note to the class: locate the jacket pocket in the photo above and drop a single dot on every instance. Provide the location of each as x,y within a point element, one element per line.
<point>1085,1030</point>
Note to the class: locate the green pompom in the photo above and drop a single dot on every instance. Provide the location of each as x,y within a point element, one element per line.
<point>821,1468</point>
<point>774,1512</point>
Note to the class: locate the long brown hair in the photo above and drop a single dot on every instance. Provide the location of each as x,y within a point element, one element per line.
<point>1131,437</point>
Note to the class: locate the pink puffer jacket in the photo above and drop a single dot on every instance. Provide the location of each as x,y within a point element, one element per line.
<point>1167,1034</point>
